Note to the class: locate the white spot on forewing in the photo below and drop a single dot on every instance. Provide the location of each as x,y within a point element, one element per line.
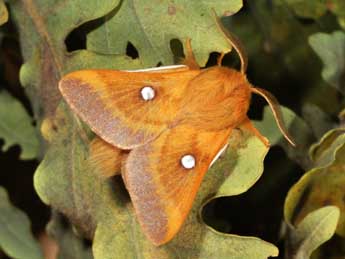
<point>156,68</point>
<point>188,161</point>
<point>218,154</point>
<point>147,93</point>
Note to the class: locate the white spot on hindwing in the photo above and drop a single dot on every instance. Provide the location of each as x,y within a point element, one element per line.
<point>188,161</point>
<point>147,93</point>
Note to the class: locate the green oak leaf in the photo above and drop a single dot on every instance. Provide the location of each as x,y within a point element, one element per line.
<point>320,186</point>
<point>331,49</point>
<point>323,184</point>
<point>314,230</point>
<point>16,127</point>
<point>43,26</point>
<point>322,153</point>
<point>316,8</point>
<point>16,239</point>
<point>150,27</point>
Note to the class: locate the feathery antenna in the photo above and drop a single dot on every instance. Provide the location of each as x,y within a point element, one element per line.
<point>275,107</point>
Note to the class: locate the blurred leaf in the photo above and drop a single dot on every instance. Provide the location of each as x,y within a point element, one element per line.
<point>16,127</point>
<point>70,245</point>
<point>150,27</point>
<point>311,9</point>
<point>323,185</point>
<point>314,230</point>
<point>16,239</point>
<point>299,130</point>
<point>280,58</point>
<point>3,13</point>
<point>319,121</point>
<point>331,50</point>
<point>316,8</point>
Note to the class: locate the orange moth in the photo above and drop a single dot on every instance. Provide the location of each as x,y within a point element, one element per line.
<point>172,123</point>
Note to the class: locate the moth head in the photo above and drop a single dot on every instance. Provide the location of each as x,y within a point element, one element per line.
<point>272,101</point>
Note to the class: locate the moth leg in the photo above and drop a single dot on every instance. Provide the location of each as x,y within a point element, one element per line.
<point>105,159</point>
<point>248,125</point>
<point>189,59</point>
<point>220,59</point>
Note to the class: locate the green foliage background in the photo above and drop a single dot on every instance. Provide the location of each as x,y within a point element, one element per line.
<point>296,50</point>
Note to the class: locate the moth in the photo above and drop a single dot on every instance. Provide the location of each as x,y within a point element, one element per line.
<point>164,127</point>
